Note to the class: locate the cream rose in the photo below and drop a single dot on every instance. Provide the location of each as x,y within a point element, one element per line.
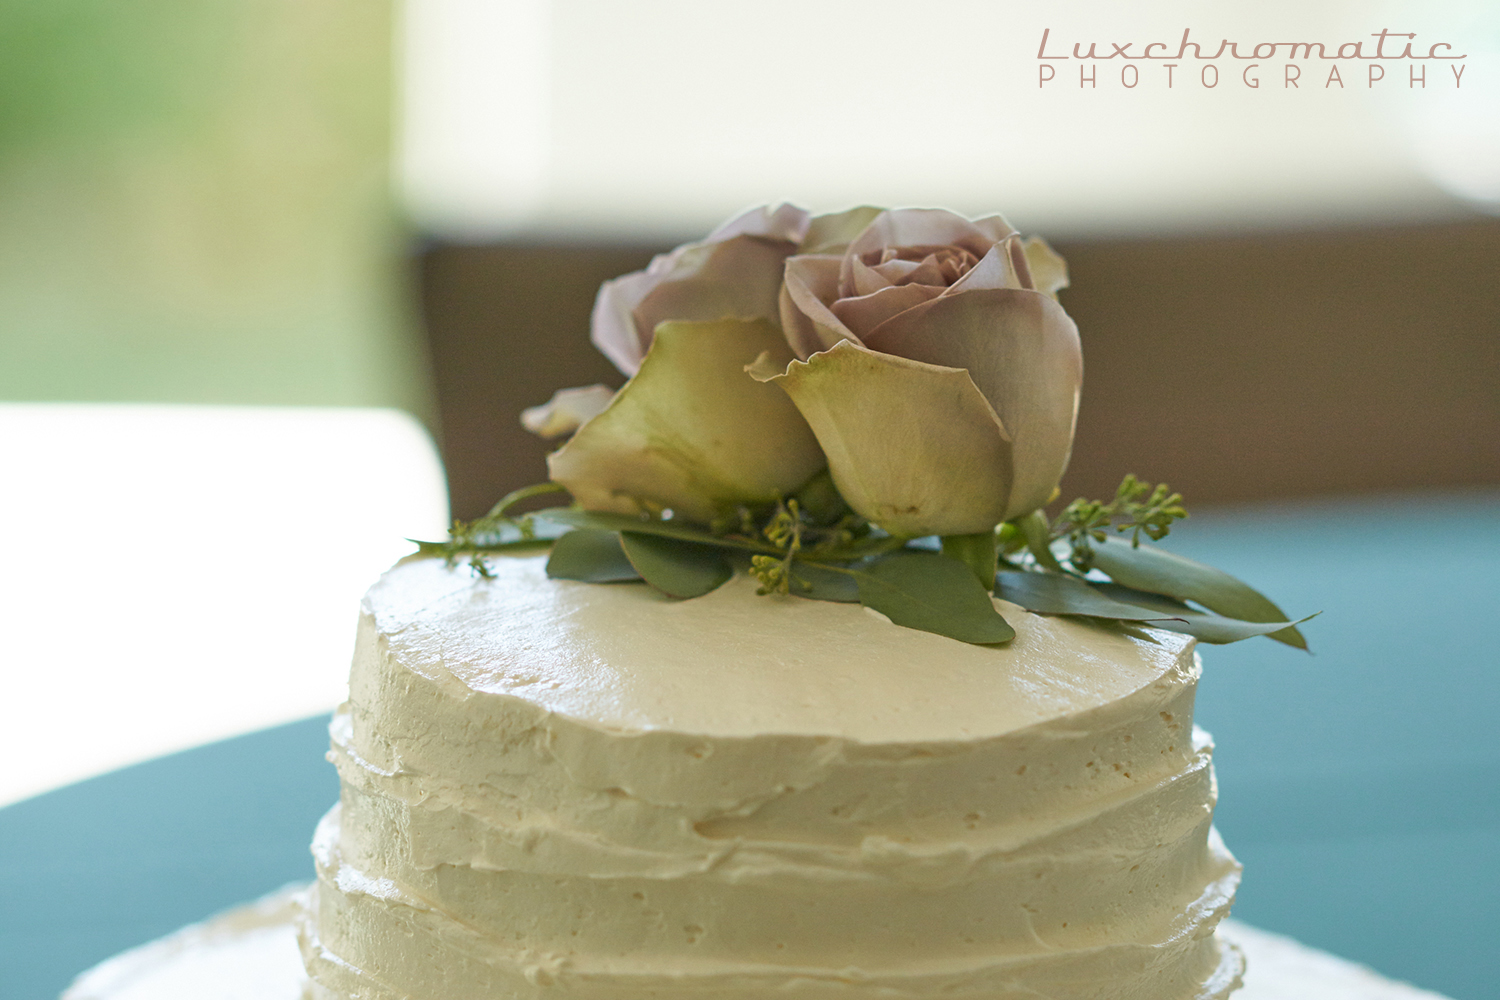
<point>689,431</point>
<point>936,369</point>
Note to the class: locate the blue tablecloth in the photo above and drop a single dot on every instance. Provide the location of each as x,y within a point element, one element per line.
<point>1359,785</point>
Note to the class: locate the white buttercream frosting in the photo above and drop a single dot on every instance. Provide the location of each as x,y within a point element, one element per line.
<point>575,790</point>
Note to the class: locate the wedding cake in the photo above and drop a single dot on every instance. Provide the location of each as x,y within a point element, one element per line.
<point>809,698</point>
<point>559,789</point>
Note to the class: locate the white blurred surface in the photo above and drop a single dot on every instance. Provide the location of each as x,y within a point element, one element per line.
<point>173,575</point>
<point>249,953</point>
<point>592,118</point>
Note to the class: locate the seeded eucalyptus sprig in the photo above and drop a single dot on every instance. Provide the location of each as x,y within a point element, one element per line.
<point>812,546</point>
<point>496,531</point>
<point>785,532</point>
<point>1138,507</point>
<point>795,531</point>
<point>1144,583</point>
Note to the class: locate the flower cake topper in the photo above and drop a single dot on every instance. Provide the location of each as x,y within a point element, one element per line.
<point>873,406</point>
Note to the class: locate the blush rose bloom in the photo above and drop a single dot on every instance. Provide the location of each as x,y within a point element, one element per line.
<point>936,369</point>
<point>690,431</point>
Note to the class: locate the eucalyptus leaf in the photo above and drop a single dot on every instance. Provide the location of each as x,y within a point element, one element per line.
<point>824,584</point>
<point>1060,594</point>
<point>1212,628</point>
<point>1157,571</point>
<point>1142,598</point>
<point>682,530</point>
<point>675,567</point>
<point>591,556</point>
<point>932,593</point>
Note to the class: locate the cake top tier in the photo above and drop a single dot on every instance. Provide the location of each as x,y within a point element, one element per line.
<point>733,664</point>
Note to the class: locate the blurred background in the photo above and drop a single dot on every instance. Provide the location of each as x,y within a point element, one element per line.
<point>277,277</point>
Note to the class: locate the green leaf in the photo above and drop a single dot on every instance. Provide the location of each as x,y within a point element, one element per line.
<point>1060,594</point>
<point>977,551</point>
<point>826,584</point>
<point>590,556</point>
<point>1215,629</point>
<point>1142,599</point>
<point>1158,571</point>
<point>675,567</point>
<point>932,593</point>
<point>601,521</point>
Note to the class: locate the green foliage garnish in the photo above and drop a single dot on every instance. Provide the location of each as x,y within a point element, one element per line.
<point>1061,594</point>
<point>811,545</point>
<point>789,529</point>
<point>930,592</point>
<point>590,556</point>
<point>674,567</point>
<point>1138,507</point>
<point>784,531</point>
<point>1157,571</point>
<point>496,531</point>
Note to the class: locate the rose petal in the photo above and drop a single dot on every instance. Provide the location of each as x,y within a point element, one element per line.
<point>1049,272</point>
<point>895,272</point>
<point>811,286</point>
<point>798,328</point>
<point>567,410</point>
<point>866,312</point>
<point>784,222</point>
<point>739,277</point>
<point>913,447</point>
<point>615,331</point>
<point>995,269</point>
<point>832,233</point>
<point>928,271</point>
<point>691,431</point>
<point>765,367</point>
<point>927,227</point>
<point>866,280</point>
<point>612,327</point>
<point>1023,353</point>
<point>1017,252</point>
<point>994,227</point>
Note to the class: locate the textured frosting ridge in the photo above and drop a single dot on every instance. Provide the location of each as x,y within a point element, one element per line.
<point>571,790</point>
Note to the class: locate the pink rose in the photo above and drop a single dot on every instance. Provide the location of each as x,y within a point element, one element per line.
<point>936,369</point>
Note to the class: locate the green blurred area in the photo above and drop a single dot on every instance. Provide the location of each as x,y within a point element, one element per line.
<point>195,204</point>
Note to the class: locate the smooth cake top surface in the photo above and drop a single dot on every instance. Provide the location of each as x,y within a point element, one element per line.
<point>731,663</point>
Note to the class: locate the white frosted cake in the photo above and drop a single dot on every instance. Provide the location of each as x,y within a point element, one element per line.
<point>568,790</point>
<point>560,784</point>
